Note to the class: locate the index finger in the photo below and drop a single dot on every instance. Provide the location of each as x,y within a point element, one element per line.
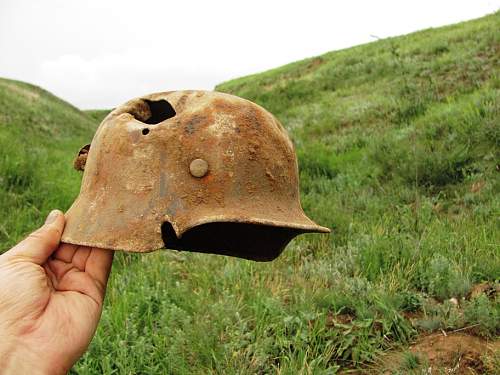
<point>98,266</point>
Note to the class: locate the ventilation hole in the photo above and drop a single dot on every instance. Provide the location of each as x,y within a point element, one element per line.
<point>145,131</point>
<point>160,111</point>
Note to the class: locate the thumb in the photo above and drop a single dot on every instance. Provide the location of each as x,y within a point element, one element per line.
<point>40,244</point>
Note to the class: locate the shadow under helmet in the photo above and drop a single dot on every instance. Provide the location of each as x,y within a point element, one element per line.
<point>189,170</point>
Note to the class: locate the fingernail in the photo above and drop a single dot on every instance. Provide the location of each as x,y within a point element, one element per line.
<point>52,216</point>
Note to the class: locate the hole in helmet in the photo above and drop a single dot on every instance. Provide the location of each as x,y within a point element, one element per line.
<point>243,240</point>
<point>161,110</point>
<point>145,131</point>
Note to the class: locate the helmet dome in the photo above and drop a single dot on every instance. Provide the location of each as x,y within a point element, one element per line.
<point>189,170</point>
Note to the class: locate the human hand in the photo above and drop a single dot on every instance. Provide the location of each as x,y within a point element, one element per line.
<point>51,298</point>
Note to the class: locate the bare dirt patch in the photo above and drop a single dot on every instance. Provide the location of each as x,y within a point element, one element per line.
<point>457,353</point>
<point>453,353</point>
<point>491,290</point>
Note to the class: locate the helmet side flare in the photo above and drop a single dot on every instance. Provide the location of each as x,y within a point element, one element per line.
<point>189,170</point>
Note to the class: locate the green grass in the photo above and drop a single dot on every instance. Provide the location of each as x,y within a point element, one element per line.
<point>398,146</point>
<point>39,137</point>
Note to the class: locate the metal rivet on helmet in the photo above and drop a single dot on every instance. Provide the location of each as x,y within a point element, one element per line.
<point>198,167</point>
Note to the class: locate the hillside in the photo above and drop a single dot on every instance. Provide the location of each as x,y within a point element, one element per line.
<point>395,138</point>
<point>39,136</point>
<point>399,150</point>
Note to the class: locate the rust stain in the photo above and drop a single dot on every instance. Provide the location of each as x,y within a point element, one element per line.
<point>181,103</point>
<point>194,122</point>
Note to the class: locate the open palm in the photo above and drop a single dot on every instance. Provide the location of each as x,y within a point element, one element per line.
<point>50,301</point>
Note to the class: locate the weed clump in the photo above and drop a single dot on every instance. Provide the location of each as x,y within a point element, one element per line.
<point>443,279</point>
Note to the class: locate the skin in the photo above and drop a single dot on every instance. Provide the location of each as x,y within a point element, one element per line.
<point>51,297</point>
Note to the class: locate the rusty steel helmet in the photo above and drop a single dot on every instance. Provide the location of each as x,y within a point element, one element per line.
<point>189,170</point>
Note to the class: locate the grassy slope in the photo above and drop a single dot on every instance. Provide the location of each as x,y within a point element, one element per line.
<point>398,143</point>
<point>39,136</point>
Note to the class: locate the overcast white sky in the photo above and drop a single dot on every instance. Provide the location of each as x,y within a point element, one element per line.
<point>97,54</point>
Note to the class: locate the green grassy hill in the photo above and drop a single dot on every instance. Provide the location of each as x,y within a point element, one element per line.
<point>39,136</point>
<point>398,145</point>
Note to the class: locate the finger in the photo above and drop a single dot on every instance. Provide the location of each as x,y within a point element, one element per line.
<point>81,256</point>
<point>65,252</point>
<point>98,266</point>
<point>60,268</point>
<point>40,244</point>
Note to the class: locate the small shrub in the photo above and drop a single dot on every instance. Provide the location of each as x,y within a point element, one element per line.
<point>410,361</point>
<point>484,313</point>
<point>410,302</point>
<point>443,279</point>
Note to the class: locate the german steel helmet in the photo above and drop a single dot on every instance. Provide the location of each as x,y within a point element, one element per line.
<point>189,170</point>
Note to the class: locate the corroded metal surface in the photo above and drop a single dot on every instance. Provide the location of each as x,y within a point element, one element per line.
<point>138,176</point>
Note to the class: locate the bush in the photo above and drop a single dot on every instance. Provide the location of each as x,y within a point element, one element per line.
<point>485,314</point>
<point>443,279</point>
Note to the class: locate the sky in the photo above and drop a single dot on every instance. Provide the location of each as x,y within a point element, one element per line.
<point>100,53</point>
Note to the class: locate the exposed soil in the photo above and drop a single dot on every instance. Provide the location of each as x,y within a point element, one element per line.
<point>491,290</point>
<point>455,353</point>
